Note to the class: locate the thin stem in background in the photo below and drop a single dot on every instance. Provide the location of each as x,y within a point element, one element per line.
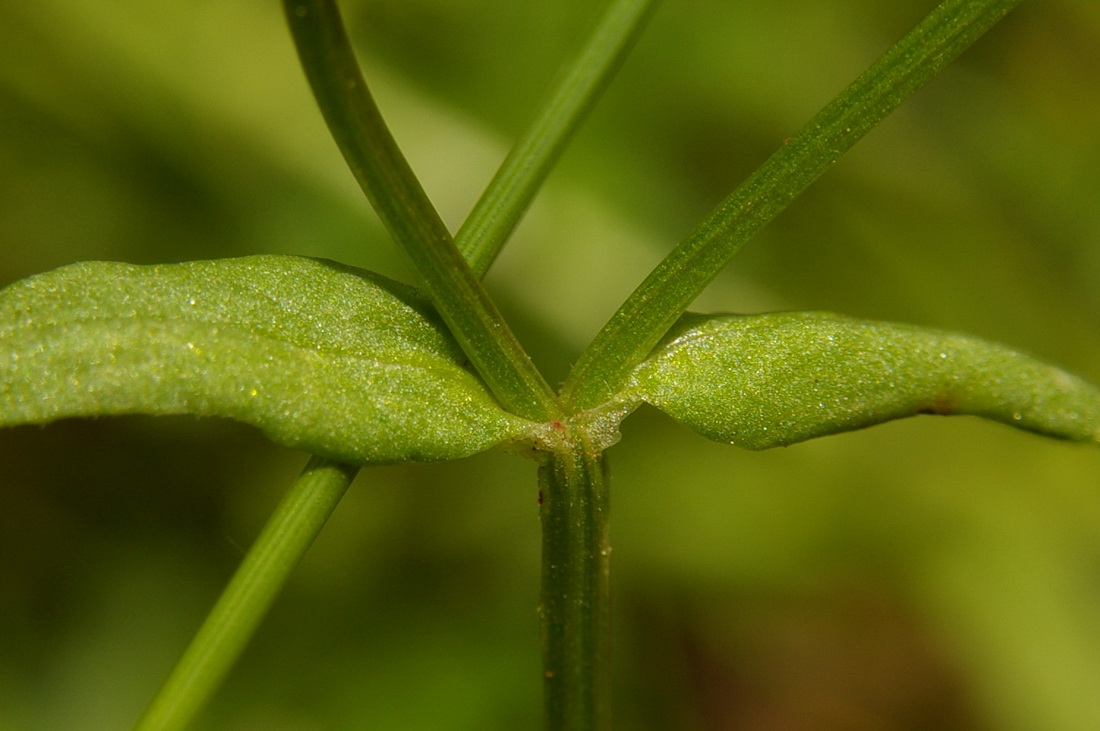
<point>575,609</point>
<point>404,209</point>
<point>245,602</point>
<point>499,209</point>
<point>669,290</point>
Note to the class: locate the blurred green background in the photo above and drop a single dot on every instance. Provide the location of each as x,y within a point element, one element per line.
<point>931,573</point>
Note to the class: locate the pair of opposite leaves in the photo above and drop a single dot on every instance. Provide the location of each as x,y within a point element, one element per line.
<point>350,365</point>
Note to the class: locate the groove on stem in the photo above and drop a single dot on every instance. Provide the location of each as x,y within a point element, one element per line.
<point>575,608</point>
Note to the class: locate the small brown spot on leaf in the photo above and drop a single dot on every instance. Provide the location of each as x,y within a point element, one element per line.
<point>942,405</point>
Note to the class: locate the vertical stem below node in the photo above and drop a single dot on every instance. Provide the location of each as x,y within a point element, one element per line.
<point>575,607</point>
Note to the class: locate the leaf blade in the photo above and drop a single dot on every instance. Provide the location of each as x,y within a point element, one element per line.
<point>771,380</point>
<point>338,361</point>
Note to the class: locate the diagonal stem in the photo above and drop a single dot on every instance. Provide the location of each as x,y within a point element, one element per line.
<point>499,209</point>
<point>396,195</point>
<point>667,292</point>
<point>245,602</point>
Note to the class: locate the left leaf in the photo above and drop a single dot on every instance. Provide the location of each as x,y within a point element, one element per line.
<point>334,360</point>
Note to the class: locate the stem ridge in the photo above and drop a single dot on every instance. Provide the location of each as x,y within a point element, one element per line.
<point>575,608</point>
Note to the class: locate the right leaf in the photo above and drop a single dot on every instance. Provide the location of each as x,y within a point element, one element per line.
<point>760,381</point>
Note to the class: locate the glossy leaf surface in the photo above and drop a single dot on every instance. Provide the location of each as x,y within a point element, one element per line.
<point>331,359</point>
<point>770,380</point>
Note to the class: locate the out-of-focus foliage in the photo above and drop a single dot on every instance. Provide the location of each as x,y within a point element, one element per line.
<point>928,573</point>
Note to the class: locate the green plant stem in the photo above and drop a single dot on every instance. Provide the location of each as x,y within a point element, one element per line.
<point>245,601</point>
<point>575,608</point>
<point>669,290</point>
<point>499,209</point>
<point>404,209</point>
